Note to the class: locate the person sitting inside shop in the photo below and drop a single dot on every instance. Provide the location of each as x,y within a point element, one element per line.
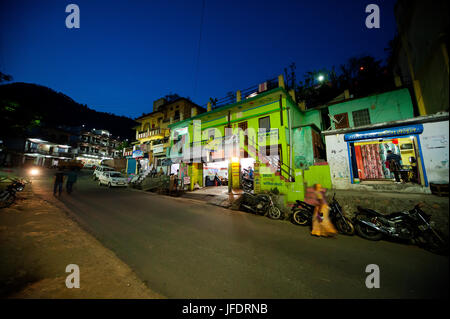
<point>217,181</point>
<point>393,161</point>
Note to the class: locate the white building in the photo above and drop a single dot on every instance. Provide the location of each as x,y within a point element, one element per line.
<point>422,142</point>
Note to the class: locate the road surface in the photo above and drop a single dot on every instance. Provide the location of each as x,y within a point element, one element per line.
<point>182,248</point>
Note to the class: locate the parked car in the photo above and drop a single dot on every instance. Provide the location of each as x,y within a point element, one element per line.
<point>112,179</point>
<point>99,170</point>
<point>89,166</point>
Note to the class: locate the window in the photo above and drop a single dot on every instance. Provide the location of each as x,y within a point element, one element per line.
<point>177,115</point>
<point>341,121</point>
<point>361,117</point>
<point>264,123</point>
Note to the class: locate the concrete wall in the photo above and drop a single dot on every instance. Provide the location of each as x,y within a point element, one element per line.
<point>337,157</point>
<point>434,140</point>
<point>390,106</point>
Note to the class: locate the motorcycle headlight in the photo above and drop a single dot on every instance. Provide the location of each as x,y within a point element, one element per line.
<point>34,172</point>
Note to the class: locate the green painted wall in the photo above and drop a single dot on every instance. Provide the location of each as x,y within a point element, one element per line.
<point>318,174</point>
<point>303,155</point>
<point>390,106</point>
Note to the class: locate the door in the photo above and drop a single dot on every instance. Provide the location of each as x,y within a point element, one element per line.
<point>243,126</point>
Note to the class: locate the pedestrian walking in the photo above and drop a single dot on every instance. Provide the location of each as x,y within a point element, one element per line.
<point>71,179</point>
<point>175,181</point>
<point>58,181</point>
<point>393,161</point>
<point>321,224</point>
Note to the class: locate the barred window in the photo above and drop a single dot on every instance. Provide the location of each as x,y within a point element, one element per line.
<point>361,117</point>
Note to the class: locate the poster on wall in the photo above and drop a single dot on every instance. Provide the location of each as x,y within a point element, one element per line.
<point>431,142</point>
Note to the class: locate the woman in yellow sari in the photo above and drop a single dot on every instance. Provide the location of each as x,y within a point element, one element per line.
<point>321,224</point>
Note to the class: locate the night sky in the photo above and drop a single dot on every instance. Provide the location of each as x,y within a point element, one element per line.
<point>128,53</point>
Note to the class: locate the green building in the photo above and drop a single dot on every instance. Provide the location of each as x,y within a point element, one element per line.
<point>264,129</point>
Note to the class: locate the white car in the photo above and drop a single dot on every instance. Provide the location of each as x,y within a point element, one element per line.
<point>112,179</point>
<point>99,170</point>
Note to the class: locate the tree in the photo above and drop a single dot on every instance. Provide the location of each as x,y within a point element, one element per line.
<point>171,97</point>
<point>5,77</point>
<point>362,76</point>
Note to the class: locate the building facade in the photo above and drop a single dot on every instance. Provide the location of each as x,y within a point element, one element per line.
<point>264,129</point>
<point>93,146</point>
<point>152,134</point>
<point>364,129</point>
<point>422,52</point>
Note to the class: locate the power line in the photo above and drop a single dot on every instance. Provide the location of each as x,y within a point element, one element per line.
<point>198,52</point>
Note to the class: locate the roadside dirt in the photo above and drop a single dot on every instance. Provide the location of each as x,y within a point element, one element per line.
<point>37,242</point>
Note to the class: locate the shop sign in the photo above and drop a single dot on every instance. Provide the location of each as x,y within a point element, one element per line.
<point>186,180</point>
<point>137,153</point>
<point>180,131</point>
<point>387,132</point>
<point>158,148</point>
<point>257,178</point>
<point>235,175</point>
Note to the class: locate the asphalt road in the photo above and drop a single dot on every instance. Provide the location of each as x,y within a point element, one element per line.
<point>183,248</point>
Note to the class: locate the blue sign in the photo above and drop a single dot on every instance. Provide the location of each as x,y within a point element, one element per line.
<point>385,132</point>
<point>137,153</point>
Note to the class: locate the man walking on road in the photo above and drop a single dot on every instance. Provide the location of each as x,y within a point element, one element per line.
<point>71,179</point>
<point>58,183</point>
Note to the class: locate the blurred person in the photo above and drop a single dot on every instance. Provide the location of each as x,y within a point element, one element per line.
<point>71,179</point>
<point>58,181</point>
<point>394,165</point>
<point>321,224</point>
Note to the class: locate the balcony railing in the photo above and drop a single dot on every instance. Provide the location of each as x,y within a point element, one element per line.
<point>152,132</point>
<point>44,152</point>
<point>245,93</point>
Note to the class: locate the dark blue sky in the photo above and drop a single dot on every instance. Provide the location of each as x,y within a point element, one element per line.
<point>128,53</point>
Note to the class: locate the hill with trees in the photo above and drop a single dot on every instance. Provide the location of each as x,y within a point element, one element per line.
<point>24,106</point>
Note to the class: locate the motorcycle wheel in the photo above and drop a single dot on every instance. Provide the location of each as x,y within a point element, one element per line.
<point>345,226</point>
<point>275,212</point>
<point>300,217</point>
<point>434,244</point>
<point>366,232</point>
<point>7,202</point>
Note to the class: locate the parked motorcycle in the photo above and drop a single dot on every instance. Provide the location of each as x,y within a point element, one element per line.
<point>260,204</point>
<point>413,225</point>
<point>8,196</point>
<point>247,182</point>
<point>302,214</point>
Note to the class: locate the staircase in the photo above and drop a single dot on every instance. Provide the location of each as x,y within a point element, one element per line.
<point>276,166</point>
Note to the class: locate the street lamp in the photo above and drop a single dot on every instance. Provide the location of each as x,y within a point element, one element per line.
<point>321,78</point>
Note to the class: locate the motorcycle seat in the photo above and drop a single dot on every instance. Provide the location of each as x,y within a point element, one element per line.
<point>368,210</point>
<point>304,204</point>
